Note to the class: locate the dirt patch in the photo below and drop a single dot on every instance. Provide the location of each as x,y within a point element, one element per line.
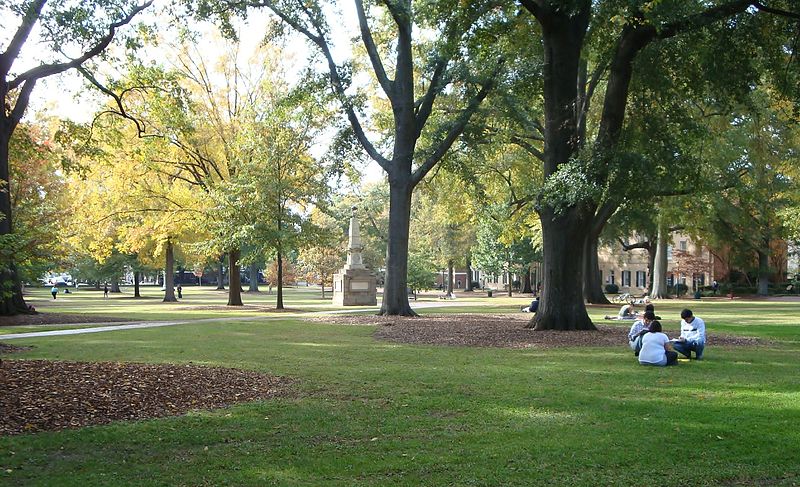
<point>502,331</point>
<point>41,395</point>
<point>57,319</point>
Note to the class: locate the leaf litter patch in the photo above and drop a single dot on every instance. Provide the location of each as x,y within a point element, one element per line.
<point>40,395</point>
<point>502,331</point>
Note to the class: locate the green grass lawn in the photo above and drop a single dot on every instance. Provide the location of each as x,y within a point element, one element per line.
<point>374,413</point>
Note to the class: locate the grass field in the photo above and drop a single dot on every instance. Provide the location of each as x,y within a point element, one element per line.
<point>374,413</point>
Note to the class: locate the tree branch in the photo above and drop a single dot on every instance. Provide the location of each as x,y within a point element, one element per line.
<point>372,50</point>
<point>24,30</point>
<point>457,128</point>
<point>46,70</point>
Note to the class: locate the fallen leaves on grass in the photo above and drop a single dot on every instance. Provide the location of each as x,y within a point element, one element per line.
<point>39,395</point>
<point>501,330</point>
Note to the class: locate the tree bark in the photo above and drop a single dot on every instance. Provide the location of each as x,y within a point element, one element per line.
<point>561,306</point>
<point>563,233</point>
<point>651,264</point>
<point>136,277</point>
<point>13,302</point>
<point>169,275</point>
<point>279,302</point>
<point>763,273</point>
<point>450,278</point>
<point>395,298</point>
<point>221,274</point>
<point>234,279</point>
<point>509,278</point>
<point>592,280</point>
<point>115,286</point>
<point>468,283</point>
<point>526,287</point>
<point>253,278</point>
<point>659,289</point>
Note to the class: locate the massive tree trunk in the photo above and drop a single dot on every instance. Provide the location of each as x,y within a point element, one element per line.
<point>659,289</point>
<point>234,279</point>
<point>253,278</point>
<point>763,273</point>
<point>221,274</point>
<point>169,275</point>
<point>136,277</point>
<point>279,303</point>
<point>115,286</point>
<point>450,278</point>
<point>395,297</point>
<point>561,306</point>
<point>12,302</point>
<point>563,233</point>
<point>468,283</point>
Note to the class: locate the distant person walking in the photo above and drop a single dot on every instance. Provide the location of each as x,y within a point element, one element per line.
<point>180,292</point>
<point>54,291</point>
<point>105,291</point>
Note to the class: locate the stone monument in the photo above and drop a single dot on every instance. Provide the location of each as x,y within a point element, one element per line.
<point>354,284</point>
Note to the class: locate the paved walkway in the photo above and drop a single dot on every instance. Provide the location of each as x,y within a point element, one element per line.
<point>156,324</point>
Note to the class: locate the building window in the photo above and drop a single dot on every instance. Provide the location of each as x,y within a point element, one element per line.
<point>611,279</point>
<point>641,279</point>
<point>626,278</point>
<point>683,245</point>
<point>669,253</point>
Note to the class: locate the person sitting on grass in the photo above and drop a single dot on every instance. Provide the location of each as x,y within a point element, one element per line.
<point>656,347</point>
<point>626,312</point>
<point>639,328</point>
<point>693,335</point>
<point>533,307</point>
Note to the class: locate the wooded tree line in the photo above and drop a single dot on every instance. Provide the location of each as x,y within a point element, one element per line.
<point>507,131</point>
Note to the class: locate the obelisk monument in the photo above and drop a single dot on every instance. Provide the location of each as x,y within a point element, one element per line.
<point>354,284</point>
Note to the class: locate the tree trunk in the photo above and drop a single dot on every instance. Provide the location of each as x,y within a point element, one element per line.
<point>651,264</point>
<point>659,289</point>
<point>322,284</point>
<point>234,279</point>
<point>563,233</point>
<point>468,283</point>
<point>509,278</point>
<point>395,298</point>
<point>221,274</point>
<point>279,303</point>
<point>450,277</point>
<point>136,276</point>
<point>11,302</point>
<point>169,275</point>
<point>253,278</point>
<point>561,306</point>
<point>526,287</point>
<point>592,280</point>
<point>763,273</point>
<point>115,286</point>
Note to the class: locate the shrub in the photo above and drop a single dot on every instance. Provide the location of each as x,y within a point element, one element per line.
<point>612,289</point>
<point>681,289</point>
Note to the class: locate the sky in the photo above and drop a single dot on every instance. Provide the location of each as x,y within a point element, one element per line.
<point>65,95</point>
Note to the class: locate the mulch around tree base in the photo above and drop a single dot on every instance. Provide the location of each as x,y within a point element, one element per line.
<point>502,331</point>
<point>40,395</point>
<point>56,319</point>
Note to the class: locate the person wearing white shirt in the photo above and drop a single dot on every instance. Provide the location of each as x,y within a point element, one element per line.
<point>693,335</point>
<point>656,347</point>
<point>638,330</point>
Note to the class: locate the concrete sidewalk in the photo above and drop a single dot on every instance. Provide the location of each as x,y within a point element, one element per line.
<point>157,324</point>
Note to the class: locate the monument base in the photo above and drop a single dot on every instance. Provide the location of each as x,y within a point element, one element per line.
<point>355,287</point>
